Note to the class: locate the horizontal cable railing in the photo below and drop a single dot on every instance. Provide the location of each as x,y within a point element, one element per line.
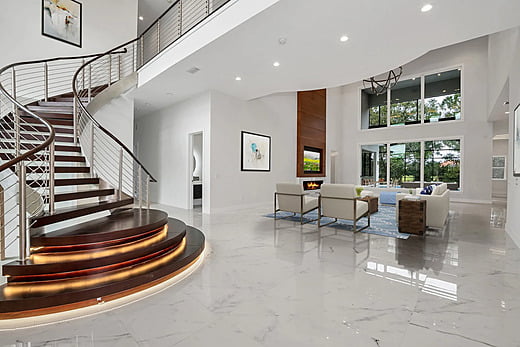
<point>27,140</point>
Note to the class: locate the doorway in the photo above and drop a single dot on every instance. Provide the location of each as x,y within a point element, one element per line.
<point>196,169</point>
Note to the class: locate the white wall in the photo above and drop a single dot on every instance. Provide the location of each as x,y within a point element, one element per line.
<point>501,52</point>
<point>475,131</point>
<point>106,24</point>
<point>272,115</point>
<point>162,139</point>
<point>513,189</point>
<point>118,117</point>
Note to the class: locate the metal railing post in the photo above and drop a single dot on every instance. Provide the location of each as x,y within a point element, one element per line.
<point>148,191</point>
<point>46,81</point>
<point>158,36</point>
<point>134,56</point>
<point>15,116</point>
<point>51,178</point>
<point>180,18</point>
<point>119,67</point>
<point>83,76</point>
<point>142,50</point>
<point>109,70</point>
<point>120,183</point>
<point>92,148</point>
<point>89,82</point>
<point>140,188</point>
<point>22,218</point>
<point>75,120</point>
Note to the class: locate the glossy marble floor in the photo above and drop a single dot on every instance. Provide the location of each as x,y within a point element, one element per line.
<point>275,283</point>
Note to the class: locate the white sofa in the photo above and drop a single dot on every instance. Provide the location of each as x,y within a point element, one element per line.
<point>437,205</point>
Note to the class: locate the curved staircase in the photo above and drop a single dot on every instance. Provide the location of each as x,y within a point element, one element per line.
<point>94,261</point>
<point>72,196</point>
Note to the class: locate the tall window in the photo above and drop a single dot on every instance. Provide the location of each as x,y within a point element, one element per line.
<point>442,162</point>
<point>374,109</point>
<point>403,103</point>
<point>442,96</point>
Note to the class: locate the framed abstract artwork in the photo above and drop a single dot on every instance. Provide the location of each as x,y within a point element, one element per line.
<point>256,152</point>
<point>516,143</point>
<point>61,20</point>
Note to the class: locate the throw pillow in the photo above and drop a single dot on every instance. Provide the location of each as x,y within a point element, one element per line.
<point>427,190</point>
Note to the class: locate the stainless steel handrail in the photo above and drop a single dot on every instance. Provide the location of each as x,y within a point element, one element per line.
<point>27,139</point>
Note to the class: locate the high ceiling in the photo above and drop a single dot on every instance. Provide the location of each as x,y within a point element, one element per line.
<point>382,35</point>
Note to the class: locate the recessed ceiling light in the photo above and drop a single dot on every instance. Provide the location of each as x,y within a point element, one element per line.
<point>276,64</point>
<point>444,90</point>
<point>141,18</point>
<point>426,8</point>
<point>343,38</point>
<point>282,40</point>
<point>507,112</point>
<point>238,78</point>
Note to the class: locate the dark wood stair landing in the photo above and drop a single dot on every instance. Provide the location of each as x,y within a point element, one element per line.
<point>21,303</point>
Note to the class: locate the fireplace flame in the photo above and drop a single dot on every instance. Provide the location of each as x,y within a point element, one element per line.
<point>312,185</point>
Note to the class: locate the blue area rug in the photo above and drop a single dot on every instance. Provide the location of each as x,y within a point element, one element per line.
<point>381,223</point>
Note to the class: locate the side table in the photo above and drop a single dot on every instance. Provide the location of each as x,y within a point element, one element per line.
<point>373,203</point>
<point>412,216</point>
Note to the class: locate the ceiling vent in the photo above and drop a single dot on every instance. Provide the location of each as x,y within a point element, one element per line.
<point>193,70</point>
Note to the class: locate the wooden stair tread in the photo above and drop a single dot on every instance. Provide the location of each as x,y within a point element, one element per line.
<point>57,158</point>
<point>60,197</point>
<point>63,214</point>
<point>176,231</point>
<point>124,222</point>
<point>51,109</point>
<point>57,169</point>
<point>56,103</point>
<point>61,182</point>
<point>28,146</point>
<point>23,303</point>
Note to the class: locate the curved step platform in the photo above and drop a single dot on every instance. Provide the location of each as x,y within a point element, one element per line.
<point>96,261</point>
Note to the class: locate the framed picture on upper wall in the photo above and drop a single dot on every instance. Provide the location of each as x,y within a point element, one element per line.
<point>516,143</point>
<point>256,152</point>
<point>61,20</point>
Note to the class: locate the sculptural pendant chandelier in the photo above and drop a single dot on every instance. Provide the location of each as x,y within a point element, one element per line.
<point>380,86</point>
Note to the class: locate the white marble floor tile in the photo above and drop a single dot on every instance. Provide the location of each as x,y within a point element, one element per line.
<point>277,283</point>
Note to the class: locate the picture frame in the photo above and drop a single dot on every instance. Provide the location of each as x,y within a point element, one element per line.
<point>498,168</point>
<point>62,20</point>
<point>255,152</point>
<point>516,142</point>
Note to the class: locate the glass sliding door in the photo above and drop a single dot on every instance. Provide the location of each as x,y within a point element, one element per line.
<point>442,163</point>
<point>405,164</point>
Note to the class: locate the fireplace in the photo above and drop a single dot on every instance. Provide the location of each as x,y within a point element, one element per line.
<point>312,185</point>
